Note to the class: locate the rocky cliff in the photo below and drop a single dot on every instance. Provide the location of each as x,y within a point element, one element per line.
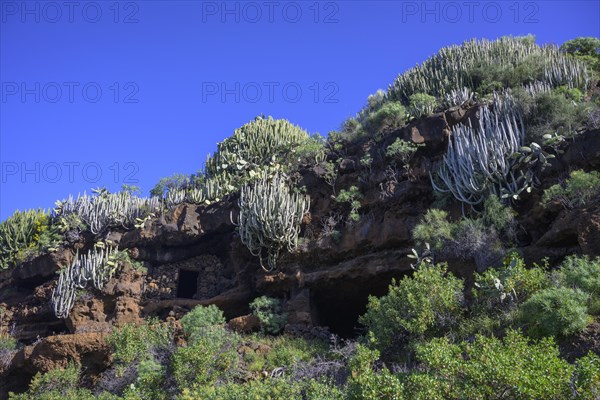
<point>192,255</point>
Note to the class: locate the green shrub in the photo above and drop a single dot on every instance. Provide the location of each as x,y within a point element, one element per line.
<point>570,93</point>
<point>365,383</point>
<point>577,190</point>
<point>402,151</point>
<point>308,153</point>
<point>149,384</point>
<point>351,129</point>
<point>422,305</point>
<point>206,360</point>
<point>434,229</point>
<point>287,351</point>
<point>132,342</point>
<point>583,273</point>
<point>7,343</point>
<point>351,197</point>
<point>203,321</point>
<point>270,388</point>
<point>551,112</point>
<point>555,312</point>
<point>499,217</point>
<point>389,117</point>
<point>465,239</point>
<point>587,377</point>
<point>270,314</point>
<point>59,384</point>
<point>421,105</point>
<point>489,368</point>
<point>508,286</point>
<point>586,49</point>
<point>170,183</point>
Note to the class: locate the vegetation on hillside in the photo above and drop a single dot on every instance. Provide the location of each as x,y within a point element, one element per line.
<point>497,333</point>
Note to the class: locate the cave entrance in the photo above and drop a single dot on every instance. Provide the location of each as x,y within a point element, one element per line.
<point>338,304</point>
<point>187,284</point>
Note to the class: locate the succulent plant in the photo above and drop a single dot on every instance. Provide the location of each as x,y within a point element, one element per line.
<point>270,217</point>
<point>478,158</point>
<point>97,267</point>
<point>452,69</point>
<point>19,232</point>
<point>105,210</point>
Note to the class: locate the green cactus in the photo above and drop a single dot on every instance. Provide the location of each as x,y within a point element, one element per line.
<point>270,217</point>
<point>21,231</point>
<point>105,210</point>
<point>260,142</point>
<point>453,68</point>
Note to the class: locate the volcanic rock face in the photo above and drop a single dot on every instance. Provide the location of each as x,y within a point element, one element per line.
<point>192,255</point>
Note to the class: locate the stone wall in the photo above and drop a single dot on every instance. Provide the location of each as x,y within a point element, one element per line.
<point>162,281</point>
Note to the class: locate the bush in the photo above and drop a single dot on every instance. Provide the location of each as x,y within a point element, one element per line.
<point>270,388</point>
<point>389,117</point>
<point>587,377</point>
<point>59,384</point>
<point>434,229</point>
<point>202,321</point>
<point>551,112</point>
<point>466,239</point>
<point>580,188</point>
<point>170,183</point>
<point>7,343</point>
<point>402,151</point>
<point>422,305</point>
<point>308,153</point>
<point>288,351</point>
<point>586,49</point>
<point>489,368</point>
<point>270,314</point>
<point>508,286</point>
<point>206,360</point>
<point>351,197</point>
<point>133,343</point>
<point>149,384</point>
<point>421,105</point>
<point>555,312</point>
<point>365,383</point>
<point>499,217</point>
<point>584,274</point>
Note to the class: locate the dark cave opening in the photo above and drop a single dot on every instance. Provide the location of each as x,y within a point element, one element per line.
<point>337,305</point>
<point>187,284</point>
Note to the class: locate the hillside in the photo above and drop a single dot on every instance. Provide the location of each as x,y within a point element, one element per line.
<point>443,244</point>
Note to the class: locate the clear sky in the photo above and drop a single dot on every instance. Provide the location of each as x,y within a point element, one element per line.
<point>101,93</point>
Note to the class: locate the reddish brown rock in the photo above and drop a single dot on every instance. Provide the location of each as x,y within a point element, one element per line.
<point>244,324</point>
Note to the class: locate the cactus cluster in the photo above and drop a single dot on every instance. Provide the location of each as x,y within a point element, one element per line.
<point>19,232</point>
<point>270,217</point>
<point>537,87</point>
<point>104,210</point>
<point>478,159</point>
<point>210,190</point>
<point>451,67</point>
<point>457,97</point>
<point>257,143</point>
<point>97,267</point>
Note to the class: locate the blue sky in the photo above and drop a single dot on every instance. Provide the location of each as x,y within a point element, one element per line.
<point>101,93</point>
